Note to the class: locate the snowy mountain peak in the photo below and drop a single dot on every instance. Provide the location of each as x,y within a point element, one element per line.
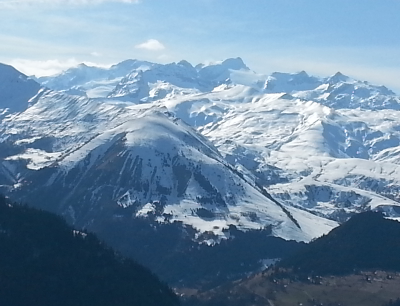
<point>125,63</point>
<point>15,90</point>
<point>142,161</point>
<point>82,66</point>
<point>303,74</point>
<point>123,68</point>
<point>234,64</point>
<point>299,77</point>
<point>318,144</point>
<point>186,64</point>
<point>337,77</point>
<point>8,72</point>
<point>220,72</point>
<point>289,82</point>
<point>160,81</point>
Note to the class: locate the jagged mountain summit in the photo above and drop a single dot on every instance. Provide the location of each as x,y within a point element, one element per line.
<point>104,156</point>
<point>318,144</point>
<point>133,80</point>
<point>16,89</point>
<point>92,81</point>
<point>201,153</point>
<point>147,182</point>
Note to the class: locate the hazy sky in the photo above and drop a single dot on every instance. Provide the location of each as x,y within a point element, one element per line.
<point>360,38</point>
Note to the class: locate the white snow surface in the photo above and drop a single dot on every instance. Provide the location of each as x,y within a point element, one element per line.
<point>15,90</point>
<point>323,147</point>
<point>78,127</point>
<point>308,143</point>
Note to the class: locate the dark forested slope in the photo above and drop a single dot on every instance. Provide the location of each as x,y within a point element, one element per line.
<point>366,241</point>
<point>43,261</point>
<point>357,263</point>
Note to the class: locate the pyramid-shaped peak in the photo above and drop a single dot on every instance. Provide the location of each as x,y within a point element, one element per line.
<point>15,89</point>
<point>7,71</point>
<point>199,66</point>
<point>338,77</point>
<point>185,64</point>
<point>80,69</point>
<point>126,62</point>
<point>234,64</point>
<point>302,74</point>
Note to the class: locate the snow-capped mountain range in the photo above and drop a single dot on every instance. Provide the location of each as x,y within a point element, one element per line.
<point>209,146</point>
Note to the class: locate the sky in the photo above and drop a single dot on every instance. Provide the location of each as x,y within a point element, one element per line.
<point>358,38</point>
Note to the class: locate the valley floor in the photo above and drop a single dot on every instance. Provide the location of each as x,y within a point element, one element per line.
<point>372,288</point>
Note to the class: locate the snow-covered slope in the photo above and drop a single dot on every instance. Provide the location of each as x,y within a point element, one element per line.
<point>92,81</point>
<point>326,147</point>
<point>101,156</point>
<point>15,90</point>
<point>340,91</point>
<point>332,154</point>
<point>176,79</point>
<point>134,80</point>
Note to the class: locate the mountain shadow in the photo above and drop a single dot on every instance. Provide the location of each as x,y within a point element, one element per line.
<point>44,261</point>
<point>367,241</point>
<point>355,264</point>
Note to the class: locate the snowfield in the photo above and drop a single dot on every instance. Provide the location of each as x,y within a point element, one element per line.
<point>209,146</point>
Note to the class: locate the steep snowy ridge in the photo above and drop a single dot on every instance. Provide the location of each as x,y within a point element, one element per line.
<point>198,145</point>
<point>15,90</point>
<point>340,91</point>
<point>167,80</point>
<point>333,120</point>
<point>290,82</point>
<point>92,81</point>
<point>104,155</point>
<point>133,80</point>
<point>220,72</point>
<point>295,143</point>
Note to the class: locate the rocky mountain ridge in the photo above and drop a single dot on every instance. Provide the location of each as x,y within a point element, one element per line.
<point>101,156</point>
<point>202,152</point>
<point>335,119</point>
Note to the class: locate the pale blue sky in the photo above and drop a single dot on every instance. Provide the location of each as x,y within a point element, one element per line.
<point>359,38</point>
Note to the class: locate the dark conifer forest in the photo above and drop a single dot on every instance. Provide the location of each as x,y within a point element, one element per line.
<point>44,261</point>
<point>367,241</point>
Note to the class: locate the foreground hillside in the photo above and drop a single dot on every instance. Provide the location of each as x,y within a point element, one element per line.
<point>355,264</point>
<point>366,241</point>
<point>43,261</point>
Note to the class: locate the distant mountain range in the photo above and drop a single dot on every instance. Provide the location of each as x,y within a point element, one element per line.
<point>204,151</point>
